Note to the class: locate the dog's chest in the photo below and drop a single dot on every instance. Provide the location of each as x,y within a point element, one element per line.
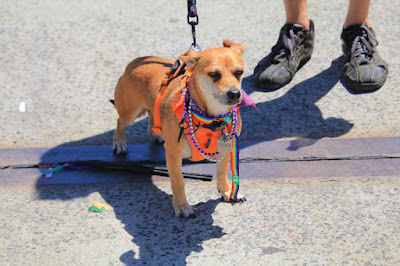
<point>186,151</point>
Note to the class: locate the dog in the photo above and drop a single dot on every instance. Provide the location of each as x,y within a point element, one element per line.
<point>214,85</point>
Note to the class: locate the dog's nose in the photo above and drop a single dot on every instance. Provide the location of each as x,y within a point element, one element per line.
<point>233,95</point>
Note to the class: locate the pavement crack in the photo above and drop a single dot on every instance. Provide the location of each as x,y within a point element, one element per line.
<point>317,158</point>
<point>153,165</point>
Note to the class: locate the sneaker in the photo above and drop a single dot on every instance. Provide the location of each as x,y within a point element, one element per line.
<point>293,49</point>
<point>364,69</point>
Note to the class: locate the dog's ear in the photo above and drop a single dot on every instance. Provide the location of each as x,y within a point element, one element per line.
<point>190,58</point>
<point>237,47</point>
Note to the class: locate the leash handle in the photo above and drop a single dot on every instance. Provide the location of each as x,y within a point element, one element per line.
<point>192,19</point>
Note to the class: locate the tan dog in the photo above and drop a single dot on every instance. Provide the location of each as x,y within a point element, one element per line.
<point>214,85</point>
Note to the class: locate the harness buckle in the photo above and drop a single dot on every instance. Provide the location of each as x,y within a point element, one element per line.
<point>214,126</point>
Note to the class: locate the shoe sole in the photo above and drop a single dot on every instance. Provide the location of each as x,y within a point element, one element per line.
<point>357,88</point>
<point>362,88</point>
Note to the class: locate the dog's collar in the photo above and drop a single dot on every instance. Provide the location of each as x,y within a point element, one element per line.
<point>213,123</point>
<point>205,114</point>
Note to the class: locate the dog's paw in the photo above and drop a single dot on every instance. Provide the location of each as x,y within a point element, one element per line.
<point>184,211</point>
<point>120,148</point>
<point>227,197</point>
<point>155,138</point>
<point>239,199</point>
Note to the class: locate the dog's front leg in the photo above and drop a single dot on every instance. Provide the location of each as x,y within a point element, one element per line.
<point>181,206</point>
<point>223,184</point>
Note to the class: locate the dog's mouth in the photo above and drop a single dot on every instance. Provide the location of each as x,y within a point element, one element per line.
<point>225,100</point>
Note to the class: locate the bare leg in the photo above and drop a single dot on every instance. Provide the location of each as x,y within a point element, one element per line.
<point>296,12</point>
<point>357,13</point>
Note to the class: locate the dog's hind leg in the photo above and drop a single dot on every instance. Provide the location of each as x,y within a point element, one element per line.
<point>153,136</point>
<point>119,140</point>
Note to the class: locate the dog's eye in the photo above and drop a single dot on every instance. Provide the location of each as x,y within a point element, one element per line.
<point>238,73</point>
<point>215,75</point>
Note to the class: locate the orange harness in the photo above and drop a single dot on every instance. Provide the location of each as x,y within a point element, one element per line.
<point>207,131</point>
<point>176,70</point>
<point>209,138</point>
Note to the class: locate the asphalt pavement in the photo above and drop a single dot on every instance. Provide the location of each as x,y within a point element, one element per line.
<point>62,59</point>
<point>320,165</point>
<point>286,222</point>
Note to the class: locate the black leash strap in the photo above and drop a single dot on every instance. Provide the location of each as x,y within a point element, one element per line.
<point>192,18</point>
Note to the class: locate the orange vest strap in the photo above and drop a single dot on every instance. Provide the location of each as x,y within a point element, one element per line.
<point>156,115</point>
<point>207,139</point>
<point>157,104</point>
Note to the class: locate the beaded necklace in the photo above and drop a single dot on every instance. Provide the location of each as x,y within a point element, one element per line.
<point>191,112</point>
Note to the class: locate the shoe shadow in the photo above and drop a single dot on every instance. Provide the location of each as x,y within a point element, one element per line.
<point>145,211</point>
<point>295,114</point>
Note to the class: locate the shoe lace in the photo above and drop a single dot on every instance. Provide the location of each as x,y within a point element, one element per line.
<point>286,48</point>
<point>363,46</point>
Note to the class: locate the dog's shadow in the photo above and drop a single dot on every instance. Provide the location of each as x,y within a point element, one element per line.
<point>162,238</point>
<point>147,215</point>
<point>149,218</point>
<point>295,114</point>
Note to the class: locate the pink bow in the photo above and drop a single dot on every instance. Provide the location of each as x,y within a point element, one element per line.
<point>246,100</point>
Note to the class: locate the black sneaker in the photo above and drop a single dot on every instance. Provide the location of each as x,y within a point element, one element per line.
<point>293,49</point>
<point>364,69</point>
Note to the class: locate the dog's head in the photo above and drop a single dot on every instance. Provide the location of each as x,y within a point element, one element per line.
<point>217,73</point>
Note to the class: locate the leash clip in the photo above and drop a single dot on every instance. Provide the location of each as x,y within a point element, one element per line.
<point>195,47</point>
